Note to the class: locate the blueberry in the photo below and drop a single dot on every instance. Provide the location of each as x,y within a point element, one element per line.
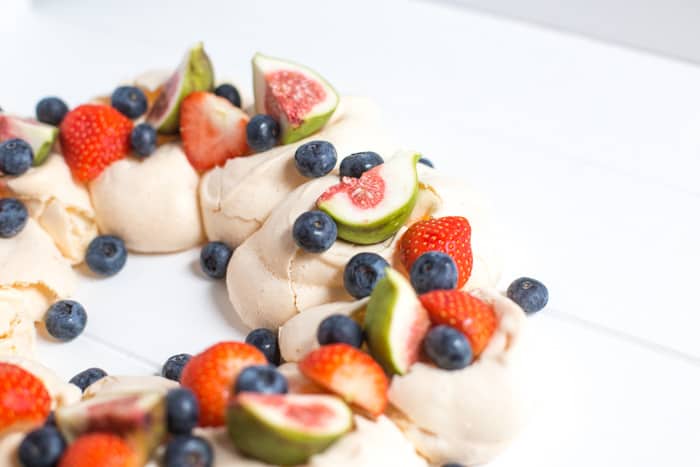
<point>65,320</point>
<point>188,451</point>
<point>530,294</point>
<point>266,342</point>
<point>264,379</point>
<point>130,101</point>
<point>432,271</point>
<point>315,231</point>
<point>13,217</point>
<point>337,329</point>
<point>51,110</point>
<point>448,348</point>
<point>356,164</point>
<point>106,255</point>
<point>262,132</point>
<point>229,92</point>
<point>16,156</point>
<point>172,369</point>
<point>42,447</point>
<point>143,139</point>
<point>315,158</point>
<point>362,273</point>
<point>182,410</point>
<point>426,161</point>
<point>214,259</point>
<point>87,377</point>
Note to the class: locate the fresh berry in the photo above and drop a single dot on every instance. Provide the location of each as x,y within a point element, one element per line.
<point>42,447</point>
<point>265,341</point>
<point>103,449</point>
<point>339,329</point>
<point>188,451</point>
<point>262,132</point>
<point>315,231</point>
<point>182,411</point>
<point>451,235</point>
<point>350,373</point>
<point>434,270</point>
<point>356,164</point>
<point>426,161</point>
<point>16,156</point>
<point>315,158</point>
<point>229,92</point>
<point>362,273</point>
<point>475,318</point>
<point>448,348</point>
<point>172,369</point>
<point>530,294</point>
<point>24,399</point>
<point>106,255</point>
<point>65,320</point>
<point>87,377</point>
<point>92,137</point>
<point>212,130</point>
<point>211,374</point>
<point>214,259</point>
<point>51,110</point>
<point>13,217</point>
<point>264,379</point>
<point>129,100</point>
<point>143,139</point>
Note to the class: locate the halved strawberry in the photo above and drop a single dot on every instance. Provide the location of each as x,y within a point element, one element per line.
<point>92,137</point>
<point>450,235</point>
<point>103,449</point>
<point>212,130</point>
<point>24,400</point>
<point>350,373</point>
<point>475,318</point>
<point>211,374</point>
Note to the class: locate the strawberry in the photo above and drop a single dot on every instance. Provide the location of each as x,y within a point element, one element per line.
<point>211,374</point>
<point>474,318</point>
<point>24,400</point>
<point>92,137</point>
<point>450,235</point>
<point>103,449</point>
<point>212,130</point>
<point>350,373</point>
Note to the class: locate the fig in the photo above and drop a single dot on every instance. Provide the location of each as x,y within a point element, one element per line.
<point>372,208</point>
<point>139,418</point>
<point>294,95</point>
<point>286,429</point>
<point>195,73</point>
<point>40,136</point>
<point>395,323</point>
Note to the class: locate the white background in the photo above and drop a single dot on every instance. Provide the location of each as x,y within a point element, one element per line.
<point>590,154</point>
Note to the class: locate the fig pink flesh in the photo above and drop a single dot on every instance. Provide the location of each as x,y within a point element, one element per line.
<point>365,192</point>
<point>292,94</point>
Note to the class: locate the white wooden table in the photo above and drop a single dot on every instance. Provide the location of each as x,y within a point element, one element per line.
<point>589,152</point>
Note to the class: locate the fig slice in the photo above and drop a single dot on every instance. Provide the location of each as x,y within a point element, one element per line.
<point>39,136</point>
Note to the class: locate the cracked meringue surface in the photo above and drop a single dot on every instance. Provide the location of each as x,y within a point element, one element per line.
<point>475,412</point>
<point>238,197</point>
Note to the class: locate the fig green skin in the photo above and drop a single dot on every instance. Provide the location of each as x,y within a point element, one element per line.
<point>274,444</point>
<point>380,229</point>
<point>379,318</point>
<point>197,74</point>
<point>292,134</point>
<point>40,136</point>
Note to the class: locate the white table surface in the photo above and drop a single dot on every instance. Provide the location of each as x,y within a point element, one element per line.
<point>590,154</point>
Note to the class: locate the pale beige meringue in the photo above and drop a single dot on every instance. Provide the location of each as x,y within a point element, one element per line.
<point>115,385</point>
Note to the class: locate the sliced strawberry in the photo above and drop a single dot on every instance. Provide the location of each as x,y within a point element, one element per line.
<point>475,318</point>
<point>99,449</point>
<point>350,373</point>
<point>212,129</point>
<point>92,137</point>
<point>24,400</point>
<point>450,235</point>
<point>212,373</point>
